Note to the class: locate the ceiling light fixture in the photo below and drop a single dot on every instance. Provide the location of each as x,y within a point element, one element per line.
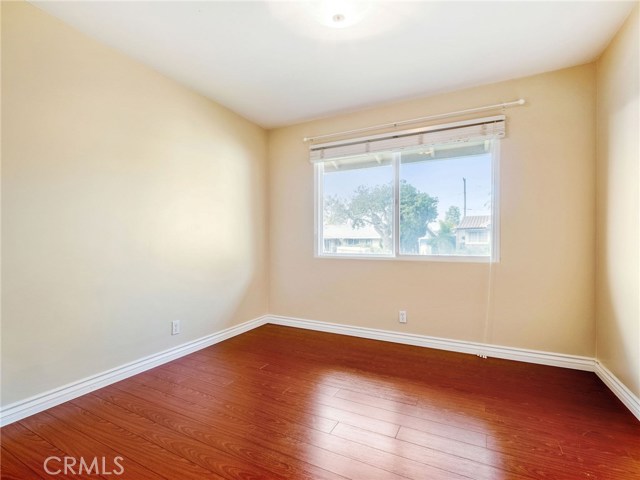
<point>340,13</point>
<point>337,18</point>
<point>342,20</point>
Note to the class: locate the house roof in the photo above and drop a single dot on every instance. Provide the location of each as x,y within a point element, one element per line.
<point>347,231</point>
<point>474,221</point>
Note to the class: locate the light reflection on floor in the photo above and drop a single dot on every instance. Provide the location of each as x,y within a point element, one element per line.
<point>377,421</point>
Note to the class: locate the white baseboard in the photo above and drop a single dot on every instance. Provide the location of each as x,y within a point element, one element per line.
<point>509,353</point>
<point>626,396</point>
<point>30,406</point>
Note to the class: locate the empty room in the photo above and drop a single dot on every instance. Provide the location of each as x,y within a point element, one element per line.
<point>320,240</point>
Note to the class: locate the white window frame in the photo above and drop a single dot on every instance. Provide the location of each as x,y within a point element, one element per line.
<point>395,255</point>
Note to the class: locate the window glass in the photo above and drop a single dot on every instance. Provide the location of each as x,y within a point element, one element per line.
<point>446,201</point>
<point>357,206</point>
<point>435,201</point>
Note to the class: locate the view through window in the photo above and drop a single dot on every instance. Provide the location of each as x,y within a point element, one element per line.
<point>431,201</point>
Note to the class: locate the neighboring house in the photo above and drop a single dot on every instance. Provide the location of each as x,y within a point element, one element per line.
<point>472,235</point>
<point>346,239</point>
<point>474,232</point>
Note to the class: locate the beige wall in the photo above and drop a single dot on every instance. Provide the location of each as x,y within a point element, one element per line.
<point>542,291</point>
<point>618,212</point>
<point>127,202</point>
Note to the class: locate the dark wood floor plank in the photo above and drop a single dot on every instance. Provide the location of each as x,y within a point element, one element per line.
<point>219,377</point>
<point>574,421</point>
<point>258,378</point>
<point>13,469</point>
<point>451,463</point>
<point>31,449</point>
<point>377,464</point>
<point>371,418</point>
<point>364,416</point>
<point>529,435</point>
<point>443,418</point>
<point>440,427</point>
<point>252,379</point>
<point>296,439</point>
<point>148,454</point>
<point>323,409</point>
<point>247,361</point>
<point>279,402</point>
<point>217,459</point>
<point>384,459</point>
<point>79,445</point>
<point>450,446</point>
<point>247,406</point>
<point>490,464</point>
<point>231,437</point>
<point>342,379</point>
<point>439,412</point>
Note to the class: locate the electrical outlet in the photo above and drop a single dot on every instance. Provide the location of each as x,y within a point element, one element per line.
<point>175,327</point>
<point>402,316</point>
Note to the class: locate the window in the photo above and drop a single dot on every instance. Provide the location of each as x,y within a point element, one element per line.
<point>428,194</point>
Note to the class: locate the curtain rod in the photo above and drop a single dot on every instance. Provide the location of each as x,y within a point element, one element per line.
<point>420,119</point>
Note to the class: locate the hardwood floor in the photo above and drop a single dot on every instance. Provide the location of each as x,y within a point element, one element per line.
<point>279,402</point>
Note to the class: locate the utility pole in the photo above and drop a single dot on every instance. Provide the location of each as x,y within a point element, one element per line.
<point>464,191</point>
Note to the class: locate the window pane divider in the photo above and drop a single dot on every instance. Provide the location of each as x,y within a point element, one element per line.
<point>396,204</point>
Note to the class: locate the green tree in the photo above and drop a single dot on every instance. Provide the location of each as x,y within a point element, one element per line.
<point>373,205</point>
<point>444,240</point>
<point>452,217</point>
<point>417,210</point>
<point>335,210</point>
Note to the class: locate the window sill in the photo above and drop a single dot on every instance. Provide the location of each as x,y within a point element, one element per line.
<point>413,258</point>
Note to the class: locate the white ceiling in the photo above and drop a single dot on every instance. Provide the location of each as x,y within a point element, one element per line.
<point>276,64</point>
